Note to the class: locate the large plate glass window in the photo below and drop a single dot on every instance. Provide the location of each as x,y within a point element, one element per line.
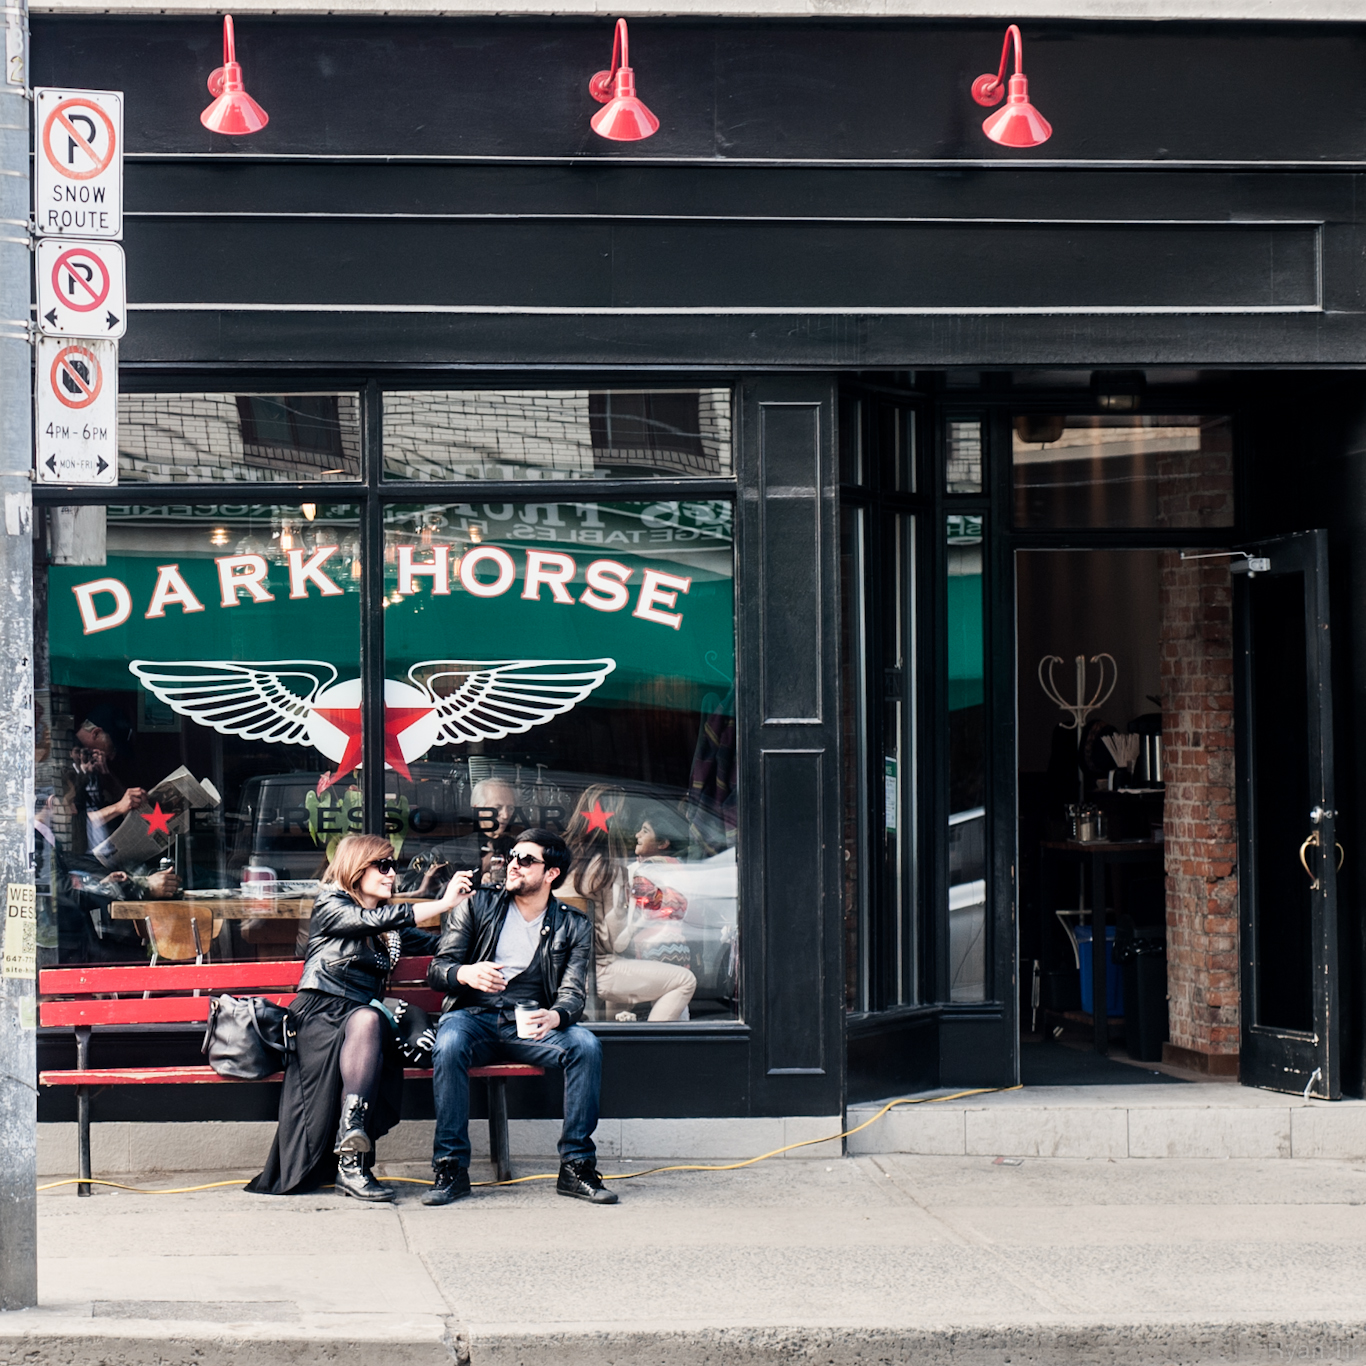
<point>557,434</point>
<point>198,724</point>
<point>570,666</point>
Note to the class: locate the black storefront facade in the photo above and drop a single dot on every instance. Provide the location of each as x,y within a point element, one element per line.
<point>795,367</point>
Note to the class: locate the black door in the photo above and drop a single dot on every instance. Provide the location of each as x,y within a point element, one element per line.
<point>1289,853</point>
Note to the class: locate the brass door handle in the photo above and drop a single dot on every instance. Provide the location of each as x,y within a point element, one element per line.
<point>1312,839</point>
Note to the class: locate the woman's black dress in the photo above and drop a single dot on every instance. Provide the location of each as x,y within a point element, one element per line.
<point>301,1158</point>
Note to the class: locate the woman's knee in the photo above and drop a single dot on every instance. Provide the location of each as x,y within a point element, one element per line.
<point>364,1024</point>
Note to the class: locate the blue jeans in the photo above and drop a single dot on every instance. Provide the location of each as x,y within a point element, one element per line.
<point>475,1038</point>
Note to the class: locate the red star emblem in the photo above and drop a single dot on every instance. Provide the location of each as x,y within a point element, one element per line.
<point>158,821</point>
<point>597,819</point>
<point>347,720</point>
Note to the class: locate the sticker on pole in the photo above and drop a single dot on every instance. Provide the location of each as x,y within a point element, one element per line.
<point>78,402</point>
<point>82,290</point>
<point>21,930</point>
<point>78,168</point>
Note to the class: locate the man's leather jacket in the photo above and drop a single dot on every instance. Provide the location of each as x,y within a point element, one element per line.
<point>471,936</point>
<point>345,955</point>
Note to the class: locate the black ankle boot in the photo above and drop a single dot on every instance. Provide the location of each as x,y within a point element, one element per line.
<point>452,1183</point>
<point>353,1179</point>
<point>351,1135</point>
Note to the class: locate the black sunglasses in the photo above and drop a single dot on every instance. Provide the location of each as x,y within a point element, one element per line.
<point>526,860</point>
<point>385,865</point>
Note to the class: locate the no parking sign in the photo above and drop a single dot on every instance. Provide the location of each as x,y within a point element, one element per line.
<point>78,411</point>
<point>81,288</point>
<point>78,163</point>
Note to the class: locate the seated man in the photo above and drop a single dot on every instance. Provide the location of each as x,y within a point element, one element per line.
<point>504,947</point>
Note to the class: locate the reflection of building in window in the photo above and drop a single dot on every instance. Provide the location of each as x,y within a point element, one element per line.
<point>293,432</point>
<point>656,431</point>
<point>183,438</point>
<point>562,434</point>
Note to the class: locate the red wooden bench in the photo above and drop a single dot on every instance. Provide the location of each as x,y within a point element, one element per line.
<point>84,999</point>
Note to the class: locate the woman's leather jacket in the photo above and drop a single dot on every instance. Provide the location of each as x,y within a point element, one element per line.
<point>345,955</point>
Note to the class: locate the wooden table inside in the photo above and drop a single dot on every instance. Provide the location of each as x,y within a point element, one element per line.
<point>220,908</point>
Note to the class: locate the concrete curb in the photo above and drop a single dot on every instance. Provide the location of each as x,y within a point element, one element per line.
<point>1127,1344</point>
<point>35,1336</point>
<point>38,1336</point>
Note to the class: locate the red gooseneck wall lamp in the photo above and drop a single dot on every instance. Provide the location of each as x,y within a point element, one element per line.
<point>233,111</point>
<point>625,119</point>
<point>1019,124</point>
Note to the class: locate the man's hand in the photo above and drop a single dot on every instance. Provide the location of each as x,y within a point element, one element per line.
<point>163,885</point>
<point>132,798</point>
<point>543,1022</point>
<point>485,977</point>
<point>457,889</point>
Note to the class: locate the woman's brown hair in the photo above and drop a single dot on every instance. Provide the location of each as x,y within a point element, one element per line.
<point>600,855</point>
<point>354,855</point>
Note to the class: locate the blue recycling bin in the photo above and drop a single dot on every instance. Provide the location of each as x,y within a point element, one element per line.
<point>1114,974</point>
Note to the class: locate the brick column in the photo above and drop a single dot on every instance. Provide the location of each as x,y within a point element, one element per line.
<point>1199,827</point>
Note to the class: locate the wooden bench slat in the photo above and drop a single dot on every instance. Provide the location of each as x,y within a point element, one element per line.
<point>171,977</point>
<point>180,1076</point>
<point>156,1010</point>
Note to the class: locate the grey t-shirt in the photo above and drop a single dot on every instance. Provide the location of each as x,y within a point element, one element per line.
<point>518,944</point>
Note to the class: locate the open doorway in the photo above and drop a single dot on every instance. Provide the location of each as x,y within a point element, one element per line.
<point>1090,634</point>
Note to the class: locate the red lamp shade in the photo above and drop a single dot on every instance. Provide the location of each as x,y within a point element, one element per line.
<point>233,111</point>
<point>1019,124</point>
<point>625,118</point>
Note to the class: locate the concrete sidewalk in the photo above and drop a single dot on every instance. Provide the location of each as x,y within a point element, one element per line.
<point>858,1260</point>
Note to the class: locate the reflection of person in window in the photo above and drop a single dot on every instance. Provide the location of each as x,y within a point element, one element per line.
<point>495,813</point>
<point>661,839</point>
<point>602,842</point>
<point>95,800</point>
<point>494,805</point>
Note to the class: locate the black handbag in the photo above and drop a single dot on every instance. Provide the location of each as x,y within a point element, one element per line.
<point>246,1038</point>
<point>414,1032</point>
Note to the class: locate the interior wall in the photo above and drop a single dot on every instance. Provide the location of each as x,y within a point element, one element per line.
<point>1071,602</point>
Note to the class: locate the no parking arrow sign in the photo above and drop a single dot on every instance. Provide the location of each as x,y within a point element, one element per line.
<point>78,399</point>
<point>78,165</point>
<point>81,289</point>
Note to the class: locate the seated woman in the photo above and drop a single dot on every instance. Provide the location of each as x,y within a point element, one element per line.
<point>346,1061</point>
<point>625,976</point>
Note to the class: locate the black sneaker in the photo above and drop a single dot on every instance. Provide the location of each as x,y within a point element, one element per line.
<point>452,1183</point>
<point>581,1181</point>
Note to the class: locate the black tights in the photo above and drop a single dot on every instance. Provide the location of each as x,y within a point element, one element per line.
<point>361,1053</point>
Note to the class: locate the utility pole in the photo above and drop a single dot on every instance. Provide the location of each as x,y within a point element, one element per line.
<point>18,1033</point>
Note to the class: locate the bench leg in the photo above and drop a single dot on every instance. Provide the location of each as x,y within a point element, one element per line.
<point>83,1114</point>
<point>498,1129</point>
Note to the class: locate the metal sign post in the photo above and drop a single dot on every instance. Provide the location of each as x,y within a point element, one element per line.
<point>18,1034</point>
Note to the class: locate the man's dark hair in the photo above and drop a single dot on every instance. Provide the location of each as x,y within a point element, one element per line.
<point>557,853</point>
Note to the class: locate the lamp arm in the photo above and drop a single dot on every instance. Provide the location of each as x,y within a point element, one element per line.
<point>621,47</point>
<point>1012,32</point>
<point>229,41</point>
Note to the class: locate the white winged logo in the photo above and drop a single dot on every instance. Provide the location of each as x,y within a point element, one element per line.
<point>300,702</point>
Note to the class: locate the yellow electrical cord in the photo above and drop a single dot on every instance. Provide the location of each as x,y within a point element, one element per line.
<point>551,1176</point>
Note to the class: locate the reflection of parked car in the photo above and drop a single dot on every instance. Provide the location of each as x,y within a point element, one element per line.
<point>284,825</point>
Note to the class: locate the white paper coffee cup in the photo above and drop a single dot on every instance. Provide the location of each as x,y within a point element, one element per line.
<point>525,1028</point>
